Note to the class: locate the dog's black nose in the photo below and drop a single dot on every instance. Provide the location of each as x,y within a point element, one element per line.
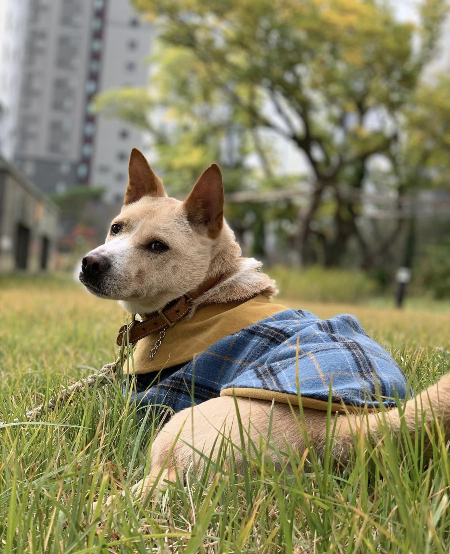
<point>93,265</point>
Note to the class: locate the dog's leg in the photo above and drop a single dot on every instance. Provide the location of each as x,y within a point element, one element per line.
<point>204,427</point>
<point>430,407</point>
<point>174,450</point>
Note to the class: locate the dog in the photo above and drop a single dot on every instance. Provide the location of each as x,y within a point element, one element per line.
<point>180,263</point>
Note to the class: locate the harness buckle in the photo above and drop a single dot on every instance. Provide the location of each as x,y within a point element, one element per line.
<point>166,319</point>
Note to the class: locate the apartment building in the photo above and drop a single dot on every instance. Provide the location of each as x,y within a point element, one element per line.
<point>13,19</point>
<point>73,50</point>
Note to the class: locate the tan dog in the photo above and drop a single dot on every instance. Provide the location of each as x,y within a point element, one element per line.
<point>160,248</point>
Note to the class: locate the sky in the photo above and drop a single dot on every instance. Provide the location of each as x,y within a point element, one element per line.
<point>406,9</point>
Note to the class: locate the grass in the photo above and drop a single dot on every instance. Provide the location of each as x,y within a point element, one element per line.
<point>348,286</point>
<point>324,284</point>
<point>52,332</point>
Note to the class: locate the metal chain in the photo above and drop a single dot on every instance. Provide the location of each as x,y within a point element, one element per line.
<point>158,342</point>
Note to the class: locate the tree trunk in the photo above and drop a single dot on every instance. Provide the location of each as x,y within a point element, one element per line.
<point>259,235</point>
<point>344,229</point>
<point>305,219</point>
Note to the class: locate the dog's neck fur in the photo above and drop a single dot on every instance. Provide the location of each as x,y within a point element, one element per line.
<point>245,282</point>
<point>240,278</point>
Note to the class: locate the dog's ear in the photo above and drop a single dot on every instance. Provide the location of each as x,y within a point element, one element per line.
<point>204,205</point>
<point>142,179</point>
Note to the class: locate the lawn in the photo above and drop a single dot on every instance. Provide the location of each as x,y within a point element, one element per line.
<point>52,332</point>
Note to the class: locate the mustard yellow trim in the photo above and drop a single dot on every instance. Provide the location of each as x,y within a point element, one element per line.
<point>190,337</point>
<point>293,399</point>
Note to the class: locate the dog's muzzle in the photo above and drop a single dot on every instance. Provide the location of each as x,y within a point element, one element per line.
<point>93,269</point>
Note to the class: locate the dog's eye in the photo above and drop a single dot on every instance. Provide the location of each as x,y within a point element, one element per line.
<point>157,246</point>
<point>116,228</point>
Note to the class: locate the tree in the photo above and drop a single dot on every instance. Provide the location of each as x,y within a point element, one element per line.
<point>338,79</point>
<point>82,209</point>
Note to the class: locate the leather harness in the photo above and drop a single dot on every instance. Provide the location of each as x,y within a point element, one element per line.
<point>167,316</point>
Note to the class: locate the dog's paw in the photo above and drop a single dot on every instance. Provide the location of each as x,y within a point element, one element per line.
<point>144,491</point>
<point>105,503</point>
<point>150,487</point>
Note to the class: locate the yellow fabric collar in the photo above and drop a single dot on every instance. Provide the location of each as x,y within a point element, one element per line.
<point>191,337</point>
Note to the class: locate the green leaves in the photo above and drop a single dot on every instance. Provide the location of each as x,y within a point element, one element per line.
<point>337,82</point>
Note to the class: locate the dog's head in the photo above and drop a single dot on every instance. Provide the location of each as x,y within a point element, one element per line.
<point>158,248</point>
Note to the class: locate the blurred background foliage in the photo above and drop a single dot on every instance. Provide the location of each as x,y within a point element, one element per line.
<point>342,83</point>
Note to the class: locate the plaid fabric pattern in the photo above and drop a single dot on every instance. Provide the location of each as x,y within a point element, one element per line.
<point>333,354</point>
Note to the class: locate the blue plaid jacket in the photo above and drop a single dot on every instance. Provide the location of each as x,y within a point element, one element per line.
<point>292,356</point>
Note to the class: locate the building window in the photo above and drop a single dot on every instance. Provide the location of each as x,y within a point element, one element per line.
<point>36,9</point>
<point>120,177</point>
<point>22,242</point>
<point>124,134</point>
<point>26,135</point>
<point>132,45</point>
<point>82,170</point>
<point>32,53</point>
<point>71,13</point>
<point>96,24</point>
<point>121,156</point>
<point>59,136</point>
<point>94,66</point>
<point>90,108</point>
<point>37,35</point>
<point>63,98</point>
<point>98,4</point>
<point>134,22</point>
<point>68,50</point>
<point>66,124</point>
<point>31,85</point>
<point>68,103</point>
<point>91,86</point>
<point>64,168</point>
<point>103,169</point>
<point>96,45</point>
<point>65,146</point>
<point>45,251</point>
<point>87,150</point>
<point>131,66</point>
<point>89,129</point>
